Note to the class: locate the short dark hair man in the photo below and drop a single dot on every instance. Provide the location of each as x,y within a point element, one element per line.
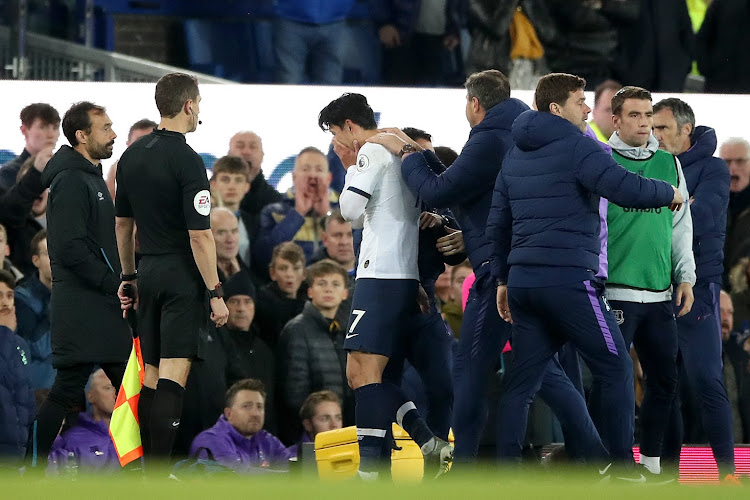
<point>544,234</point>
<point>162,186</point>
<point>87,325</point>
<point>708,183</point>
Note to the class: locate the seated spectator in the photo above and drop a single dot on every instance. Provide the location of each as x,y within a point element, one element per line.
<point>298,217</point>
<point>225,228</point>
<point>7,265</point>
<point>32,310</point>
<point>137,130</point>
<point>40,126</point>
<point>320,412</point>
<point>338,242</point>
<point>453,309</point>
<point>20,235</point>
<point>248,355</point>
<point>736,374</point>
<point>16,396</point>
<point>311,346</point>
<point>283,298</point>
<point>307,35</point>
<point>249,147</point>
<point>231,181</point>
<point>238,440</point>
<point>601,122</point>
<point>88,441</point>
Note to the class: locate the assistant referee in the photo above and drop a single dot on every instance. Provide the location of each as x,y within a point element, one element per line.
<point>162,186</point>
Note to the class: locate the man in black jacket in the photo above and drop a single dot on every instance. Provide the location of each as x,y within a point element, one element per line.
<point>87,325</point>
<point>249,147</point>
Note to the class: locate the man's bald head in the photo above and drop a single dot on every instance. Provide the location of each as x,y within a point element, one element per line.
<point>248,146</point>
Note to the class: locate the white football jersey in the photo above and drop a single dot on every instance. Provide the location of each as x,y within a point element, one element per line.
<point>390,235</point>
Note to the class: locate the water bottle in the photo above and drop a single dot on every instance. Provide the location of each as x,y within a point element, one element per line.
<point>71,466</point>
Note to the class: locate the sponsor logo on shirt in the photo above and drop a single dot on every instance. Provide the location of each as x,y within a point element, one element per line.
<point>362,163</point>
<point>202,202</point>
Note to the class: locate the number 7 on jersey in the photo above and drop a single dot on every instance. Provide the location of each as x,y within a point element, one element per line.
<point>358,313</point>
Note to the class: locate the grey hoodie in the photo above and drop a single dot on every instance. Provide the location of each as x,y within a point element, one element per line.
<point>683,261</point>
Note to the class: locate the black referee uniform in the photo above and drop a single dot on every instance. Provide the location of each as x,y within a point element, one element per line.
<point>162,184</point>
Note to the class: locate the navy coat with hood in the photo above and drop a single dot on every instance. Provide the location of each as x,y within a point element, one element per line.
<point>16,396</point>
<point>86,320</point>
<point>547,199</point>
<point>707,180</point>
<point>466,187</point>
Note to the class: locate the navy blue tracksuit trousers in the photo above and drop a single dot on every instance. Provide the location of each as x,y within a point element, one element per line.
<point>544,319</point>
<point>699,336</point>
<point>483,335</point>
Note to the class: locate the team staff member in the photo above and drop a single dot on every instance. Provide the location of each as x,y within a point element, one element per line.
<point>87,326</point>
<point>162,186</point>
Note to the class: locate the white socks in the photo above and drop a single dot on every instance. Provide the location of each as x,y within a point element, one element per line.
<point>651,463</point>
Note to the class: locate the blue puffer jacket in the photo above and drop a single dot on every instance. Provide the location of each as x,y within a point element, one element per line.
<point>16,398</point>
<point>708,184</point>
<point>32,311</point>
<point>466,187</point>
<point>313,11</point>
<point>547,198</point>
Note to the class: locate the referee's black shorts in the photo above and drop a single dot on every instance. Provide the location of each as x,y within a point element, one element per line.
<point>173,308</point>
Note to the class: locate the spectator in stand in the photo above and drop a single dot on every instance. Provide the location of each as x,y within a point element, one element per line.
<point>338,242</point>
<point>238,439</point>
<point>249,356</point>
<point>418,37</point>
<point>88,442</point>
<point>736,153</point>
<point>17,408</point>
<point>453,311</point>
<point>298,217</point>
<point>721,47</point>
<point>735,368</point>
<point>601,122</point>
<point>231,181</point>
<point>443,288</point>
<point>655,44</point>
<point>137,130</point>
<point>225,227</point>
<point>283,298</point>
<point>32,311</point>
<point>20,236</point>
<point>249,147</point>
<point>40,126</point>
<point>308,35</point>
<point>7,265</point>
<point>739,280</point>
<point>321,412</point>
<point>420,137</point>
<point>311,352</point>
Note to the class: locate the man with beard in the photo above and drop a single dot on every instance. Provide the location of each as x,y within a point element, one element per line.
<point>87,325</point>
<point>299,216</point>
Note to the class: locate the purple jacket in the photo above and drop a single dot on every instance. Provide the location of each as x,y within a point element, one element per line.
<point>603,271</point>
<point>92,445</point>
<point>230,448</point>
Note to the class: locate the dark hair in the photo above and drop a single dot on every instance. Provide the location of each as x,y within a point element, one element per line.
<point>142,124</point>
<point>173,91</point>
<point>324,268</point>
<point>312,401</point>
<point>248,384</point>
<point>415,134</point>
<point>490,87</point>
<point>78,117</point>
<point>46,113</point>
<point>681,110</point>
<point>231,165</point>
<point>603,87</point>
<point>556,87</point>
<point>349,106</point>
<point>334,214</point>
<point>628,92</point>
<point>288,250</point>
<point>446,155</point>
<point>8,278</point>
<point>38,237</point>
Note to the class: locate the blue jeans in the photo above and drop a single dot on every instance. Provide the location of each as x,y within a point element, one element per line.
<point>296,44</point>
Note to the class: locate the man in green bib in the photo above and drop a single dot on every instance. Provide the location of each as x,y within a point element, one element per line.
<point>648,250</point>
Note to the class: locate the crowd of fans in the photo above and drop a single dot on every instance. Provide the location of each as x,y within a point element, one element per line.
<point>274,375</point>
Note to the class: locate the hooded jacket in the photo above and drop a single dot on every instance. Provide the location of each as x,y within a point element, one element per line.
<point>545,207</point>
<point>466,187</point>
<point>16,397</point>
<point>683,262</point>
<point>91,445</point>
<point>708,183</point>
<point>87,323</point>
<point>32,312</point>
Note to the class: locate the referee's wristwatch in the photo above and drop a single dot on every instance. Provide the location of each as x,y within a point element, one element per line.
<point>217,292</point>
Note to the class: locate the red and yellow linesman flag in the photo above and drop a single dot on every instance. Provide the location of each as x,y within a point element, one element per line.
<point>123,427</point>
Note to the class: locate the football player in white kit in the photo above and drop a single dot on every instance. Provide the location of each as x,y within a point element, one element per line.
<point>386,292</point>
